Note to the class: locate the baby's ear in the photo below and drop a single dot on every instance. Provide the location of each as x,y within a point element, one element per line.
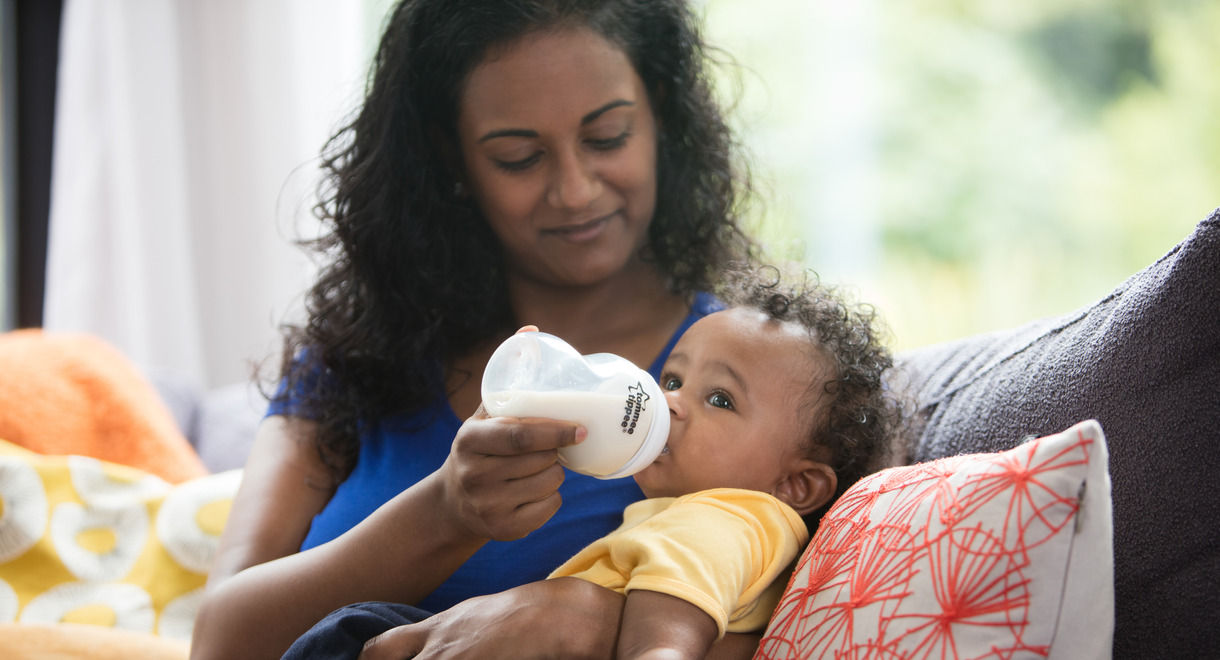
<point>808,486</point>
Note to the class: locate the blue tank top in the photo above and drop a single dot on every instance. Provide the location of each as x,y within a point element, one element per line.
<point>398,451</point>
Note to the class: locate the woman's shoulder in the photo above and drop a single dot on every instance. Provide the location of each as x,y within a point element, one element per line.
<point>705,303</point>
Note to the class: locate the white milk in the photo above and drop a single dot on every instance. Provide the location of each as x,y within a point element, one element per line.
<point>610,446</point>
<point>534,374</point>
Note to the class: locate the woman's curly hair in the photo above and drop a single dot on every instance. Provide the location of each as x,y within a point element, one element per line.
<point>853,416</point>
<point>412,274</point>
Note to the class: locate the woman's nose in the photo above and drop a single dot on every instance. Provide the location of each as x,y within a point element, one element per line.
<point>574,183</point>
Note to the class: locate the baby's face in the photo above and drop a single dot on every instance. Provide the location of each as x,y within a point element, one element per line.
<point>737,385</point>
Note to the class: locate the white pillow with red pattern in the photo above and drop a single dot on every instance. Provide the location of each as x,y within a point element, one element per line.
<point>1006,554</point>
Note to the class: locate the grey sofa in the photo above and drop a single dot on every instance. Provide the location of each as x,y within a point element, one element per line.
<point>1145,362</point>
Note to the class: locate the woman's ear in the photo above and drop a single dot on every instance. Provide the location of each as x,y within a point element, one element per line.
<point>807,487</point>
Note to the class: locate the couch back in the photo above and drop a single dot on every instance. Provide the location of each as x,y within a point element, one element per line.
<point>1145,362</point>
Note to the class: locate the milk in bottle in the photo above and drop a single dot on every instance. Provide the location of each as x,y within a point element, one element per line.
<point>535,374</point>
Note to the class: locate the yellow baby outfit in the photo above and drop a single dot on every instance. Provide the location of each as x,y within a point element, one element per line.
<point>724,550</point>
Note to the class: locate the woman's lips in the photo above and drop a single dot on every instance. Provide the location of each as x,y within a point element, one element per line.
<point>581,232</point>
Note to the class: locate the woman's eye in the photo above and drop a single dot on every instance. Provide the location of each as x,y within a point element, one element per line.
<point>517,165</point>
<point>671,383</point>
<point>610,144</point>
<point>720,400</point>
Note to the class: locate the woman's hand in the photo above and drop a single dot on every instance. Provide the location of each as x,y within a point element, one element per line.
<point>561,618</point>
<point>501,479</point>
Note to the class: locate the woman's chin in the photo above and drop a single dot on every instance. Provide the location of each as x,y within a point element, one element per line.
<point>582,267</point>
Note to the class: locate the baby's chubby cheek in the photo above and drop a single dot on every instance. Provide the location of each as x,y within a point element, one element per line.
<point>648,480</point>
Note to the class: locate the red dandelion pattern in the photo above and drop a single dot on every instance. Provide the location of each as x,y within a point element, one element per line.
<point>938,560</point>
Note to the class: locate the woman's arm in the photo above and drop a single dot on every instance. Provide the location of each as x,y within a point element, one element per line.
<point>560,618</point>
<point>284,485</point>
<point>500,481</point>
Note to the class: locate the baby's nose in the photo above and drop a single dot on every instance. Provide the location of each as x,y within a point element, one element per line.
<point>674,400</point>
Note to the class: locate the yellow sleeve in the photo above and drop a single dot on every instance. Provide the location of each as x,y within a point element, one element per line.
<point>594,563</point>
<point>717,549</point>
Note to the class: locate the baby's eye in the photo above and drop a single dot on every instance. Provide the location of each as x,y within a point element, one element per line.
<point>720,400</point>
<point>671,383</point>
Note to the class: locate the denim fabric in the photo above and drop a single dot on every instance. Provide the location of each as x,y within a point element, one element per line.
<point>342,633</point>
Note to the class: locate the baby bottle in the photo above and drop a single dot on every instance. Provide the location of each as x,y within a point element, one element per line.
<point>535,374</point>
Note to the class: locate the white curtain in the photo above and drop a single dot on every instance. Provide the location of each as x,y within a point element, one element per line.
<point>184,166</point>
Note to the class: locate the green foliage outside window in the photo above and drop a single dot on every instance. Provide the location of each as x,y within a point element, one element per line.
<point>968,166</point>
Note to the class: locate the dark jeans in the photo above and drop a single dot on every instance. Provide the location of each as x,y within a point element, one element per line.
<point>342,633</point>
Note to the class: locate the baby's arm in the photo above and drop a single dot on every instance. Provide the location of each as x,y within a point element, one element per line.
<point>660,626</point>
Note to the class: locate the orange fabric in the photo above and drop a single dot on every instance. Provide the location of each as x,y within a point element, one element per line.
<point>63,393</point>
<point>68,641</point>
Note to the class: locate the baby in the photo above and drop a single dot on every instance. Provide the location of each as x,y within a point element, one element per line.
<point>776,407</point>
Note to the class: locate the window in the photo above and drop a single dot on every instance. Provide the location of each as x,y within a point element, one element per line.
<point>968,166</point>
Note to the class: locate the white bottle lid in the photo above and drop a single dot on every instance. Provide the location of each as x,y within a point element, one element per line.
<point>656,437</point>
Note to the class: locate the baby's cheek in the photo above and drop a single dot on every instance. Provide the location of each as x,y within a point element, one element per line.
<point>654,481</point>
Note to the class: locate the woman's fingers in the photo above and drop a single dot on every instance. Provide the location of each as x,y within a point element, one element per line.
<point>502,476</point>
<point>562,618</point>
<point>396,643</point>
<point>530,516</point>
<point>510,436</point>
<point>512,508</point>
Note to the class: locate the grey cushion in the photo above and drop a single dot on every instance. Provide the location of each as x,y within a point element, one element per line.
<point>226,425</point>
<point>1145,362</point>
<point>220,423</point>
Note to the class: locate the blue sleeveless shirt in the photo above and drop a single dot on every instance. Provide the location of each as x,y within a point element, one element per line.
<point>400,450</point>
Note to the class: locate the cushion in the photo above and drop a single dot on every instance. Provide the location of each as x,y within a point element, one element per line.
<point>1003,554</point>
<point>219,422</point>
<point>67,641</point>
<point>1145,362</point>
<point>226,425</point>
<point>89,542</point>
<point>73,393</point>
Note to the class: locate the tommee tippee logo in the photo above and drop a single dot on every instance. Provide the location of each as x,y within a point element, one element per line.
<point>637,401</point>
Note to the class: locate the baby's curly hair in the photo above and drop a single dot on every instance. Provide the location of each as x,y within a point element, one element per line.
<point>856,419</point>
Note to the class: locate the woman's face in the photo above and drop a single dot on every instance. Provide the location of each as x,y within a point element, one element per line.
<point>558,141</point>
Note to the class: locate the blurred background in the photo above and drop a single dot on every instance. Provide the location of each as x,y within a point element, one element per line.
<point>964,165</point>
<point>969,165</point>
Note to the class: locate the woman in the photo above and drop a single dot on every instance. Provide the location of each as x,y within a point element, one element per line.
<point>560,163</point>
